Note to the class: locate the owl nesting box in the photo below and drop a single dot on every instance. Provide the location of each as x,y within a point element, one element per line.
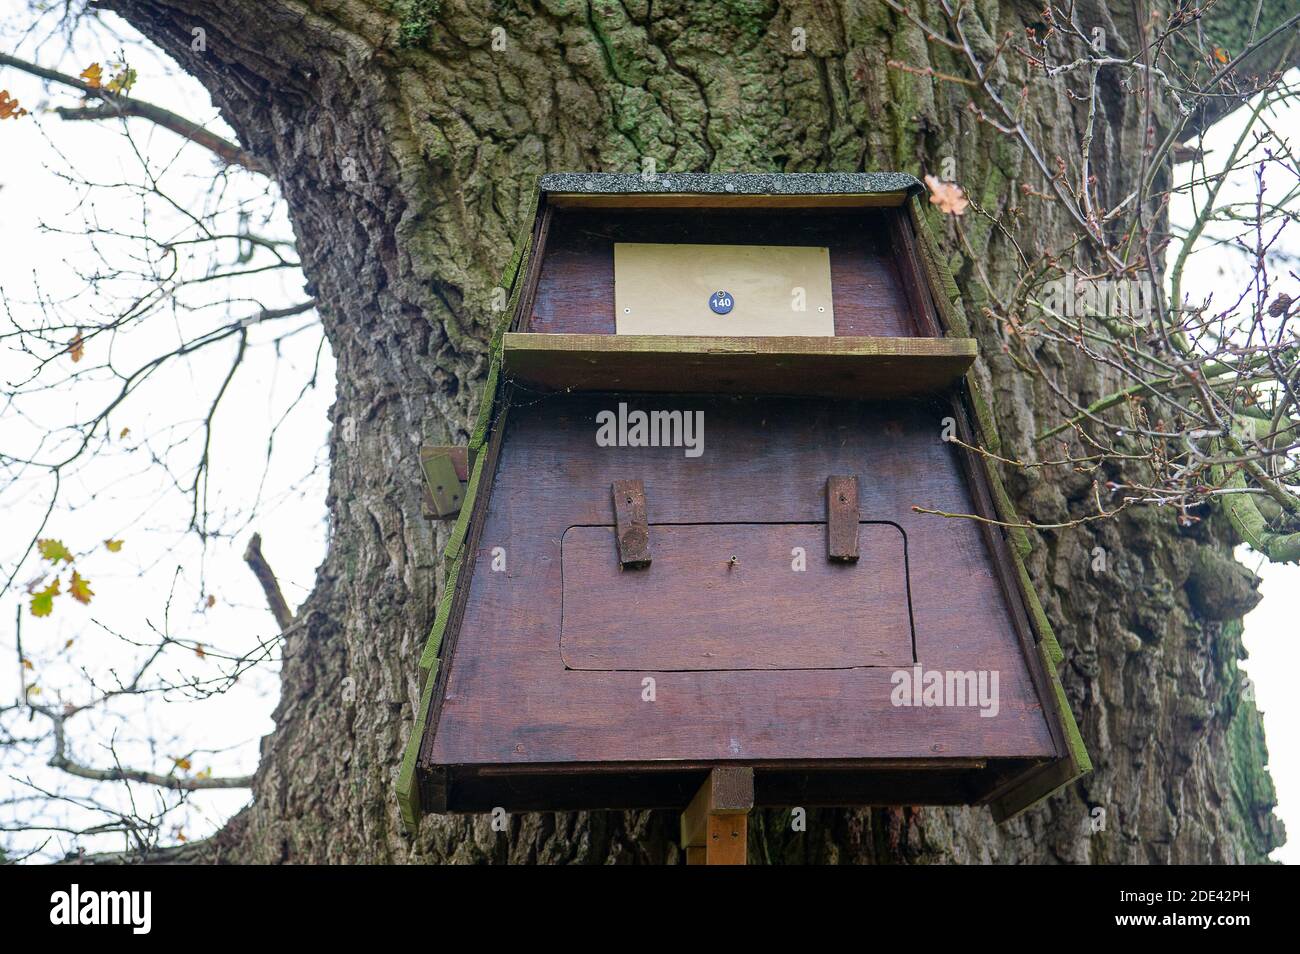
<point>689,539</point>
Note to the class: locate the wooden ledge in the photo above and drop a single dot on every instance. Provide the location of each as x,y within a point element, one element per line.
<point>840,367</point>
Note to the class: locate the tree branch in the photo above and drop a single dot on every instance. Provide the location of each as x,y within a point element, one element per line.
<point>60,760</point>
<point>117,105</point>
<point>173,782</point>
<point>262,570</point>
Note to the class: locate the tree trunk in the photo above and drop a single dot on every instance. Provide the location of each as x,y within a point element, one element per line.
<point>406,146</point>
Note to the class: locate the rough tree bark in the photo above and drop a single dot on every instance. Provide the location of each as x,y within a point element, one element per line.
<point>406,146</point>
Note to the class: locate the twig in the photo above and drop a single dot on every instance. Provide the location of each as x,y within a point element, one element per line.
<point>262,570</point>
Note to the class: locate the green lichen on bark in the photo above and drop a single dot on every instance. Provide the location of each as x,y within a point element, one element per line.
<point>416,20</point>
<point>1253,791</point>
<point>1252,786</point>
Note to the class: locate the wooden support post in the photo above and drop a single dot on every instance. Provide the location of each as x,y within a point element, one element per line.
<point>715,824</point>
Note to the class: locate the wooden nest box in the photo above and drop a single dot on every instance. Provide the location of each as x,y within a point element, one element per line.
<point>688,538</point>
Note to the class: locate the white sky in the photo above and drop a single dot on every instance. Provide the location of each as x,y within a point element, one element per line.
<point>1271,629</point>
<point>117,494</point>
<point>109,497</point>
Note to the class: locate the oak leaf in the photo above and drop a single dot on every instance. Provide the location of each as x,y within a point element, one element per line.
<point>9,108</point>
<point>79,588</point>
<point>93,75</point>
<point>123,81</point>
<point>43,602</point>
<point>113,546</point>
<point>77,348</point>
<point>947,196</point>
<point>54,550</point>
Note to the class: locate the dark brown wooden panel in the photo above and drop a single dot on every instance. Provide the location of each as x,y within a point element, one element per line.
<point>735,596</point>
<point>575,292</point>
<point>508,699</point>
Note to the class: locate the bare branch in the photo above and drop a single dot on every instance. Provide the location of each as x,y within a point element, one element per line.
<point>262,570</point>
<point>115,105</point>
<point>174,782</point>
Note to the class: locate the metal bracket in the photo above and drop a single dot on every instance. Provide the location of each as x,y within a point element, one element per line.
<point>842,517</point>
<point>630,523</point>
<point>446,471</point>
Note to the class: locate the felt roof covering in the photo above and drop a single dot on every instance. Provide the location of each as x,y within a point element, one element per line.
<point>936,274</point>
<point>729,183</point>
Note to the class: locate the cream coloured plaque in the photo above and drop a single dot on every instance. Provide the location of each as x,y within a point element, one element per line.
<point>762,290</point>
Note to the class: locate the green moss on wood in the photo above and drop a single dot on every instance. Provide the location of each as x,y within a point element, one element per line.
<point>1006,511</point>
<point>486,408</point>
<point>519,255</point>
<point>429,658</point>
<point>947,295</point>
<point>458,533</point>
<point>1054,777</point>
<point>1037,616</point>
<point>454,557</point>
<point>1073,737</point>
<point>511,271</point>
<point>408,792</point>
<point>983,415</point>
